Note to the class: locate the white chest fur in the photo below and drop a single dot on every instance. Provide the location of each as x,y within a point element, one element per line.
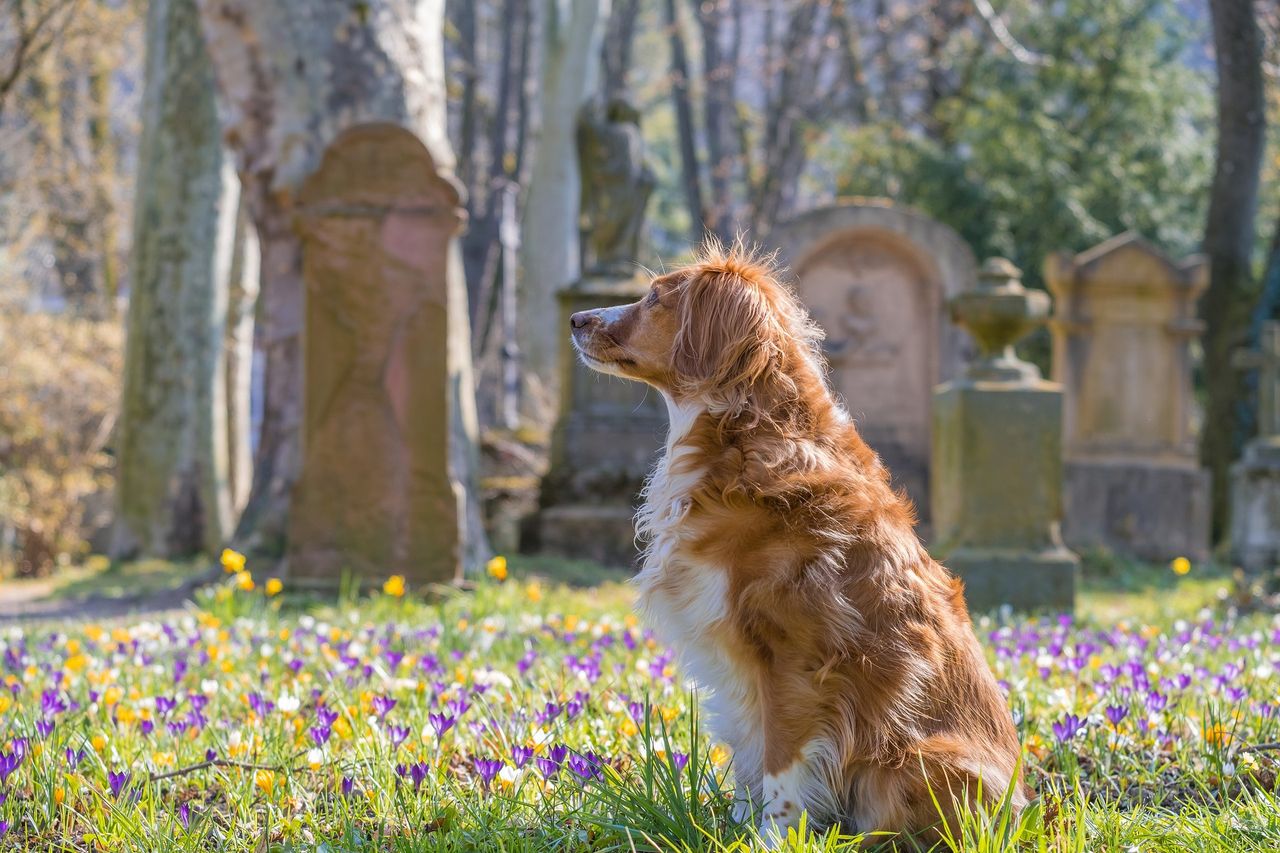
<point>685,601</point>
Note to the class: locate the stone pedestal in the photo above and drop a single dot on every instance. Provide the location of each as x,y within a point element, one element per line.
<point>997,459</point>
<point>1122,332</point>
<point>374,495</point>
<point>606,439</point>
<point>1255,506</point>
<point>1117,504</point>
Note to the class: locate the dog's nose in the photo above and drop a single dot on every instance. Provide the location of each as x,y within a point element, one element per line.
<point>581,319</point>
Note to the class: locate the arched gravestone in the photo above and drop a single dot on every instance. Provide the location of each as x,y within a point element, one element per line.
<point>877,278</point>
<point>374,495</point>
<point>1125,320</point>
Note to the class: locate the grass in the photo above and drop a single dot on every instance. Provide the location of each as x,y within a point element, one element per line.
<point>255,723</point>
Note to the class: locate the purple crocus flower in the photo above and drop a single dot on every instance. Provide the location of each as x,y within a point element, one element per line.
<point>260,705</point>
<point>457,707</point>
<point>44,728</point>
<point>558,753</point>
<point>325,717</point>
<point>418,772</point>
<point>520,755</point>
<point>320,734</point>
<point>1116,713</point>
<point>487,769</point>
<point>348,784</point>
<point>587,766</point>
<point>74,757</point>
<point>52,703</point>
<point>117,781</point>
<point>165,705</point>
<point>440,723</point>
<point>10,761</point>
<point>382,706</point>
<point>184,815</point>
<point>397,734</point>
<point>4,827</point>
<point>1068,728</point>
<point>547,767</point>
<point>679,760</point>
<point>146,727</point>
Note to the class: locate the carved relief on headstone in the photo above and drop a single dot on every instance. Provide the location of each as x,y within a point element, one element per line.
<point>374,495</point>
<point>1124,320</point>
<point>877,279</point>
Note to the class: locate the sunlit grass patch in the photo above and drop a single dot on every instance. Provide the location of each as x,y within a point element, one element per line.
<point>531,715</point>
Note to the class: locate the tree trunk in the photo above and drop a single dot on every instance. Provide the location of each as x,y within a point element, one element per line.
<point>719,71</point>
<point>292,76</point>
<point>242,304</point>
<point>549,255</point>
<point>680,80</point>
<point>619,39</point>
<point>172,476</point>
<point>1229,236</point>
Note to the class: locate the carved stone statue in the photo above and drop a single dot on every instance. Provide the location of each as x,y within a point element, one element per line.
<point>616,184</point>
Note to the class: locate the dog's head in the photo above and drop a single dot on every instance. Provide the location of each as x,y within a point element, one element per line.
<point>722,329</point>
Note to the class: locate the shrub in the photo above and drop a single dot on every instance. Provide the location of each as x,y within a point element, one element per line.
<point>59,391</point>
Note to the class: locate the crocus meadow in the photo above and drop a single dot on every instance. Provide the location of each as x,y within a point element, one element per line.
<point>522,716</point>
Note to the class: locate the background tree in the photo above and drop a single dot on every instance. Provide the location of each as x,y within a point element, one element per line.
<point>172,489</point>
<point>1230,235</point>
<point>549,253</point>
<point>293,75</point>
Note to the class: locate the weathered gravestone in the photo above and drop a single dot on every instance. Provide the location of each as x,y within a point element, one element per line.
<point>608,429</point>
<point>878,278</point>
<point>374,496</point>
<point>1255,487</point>
<point>1124,322</point>
<point>997,462</point>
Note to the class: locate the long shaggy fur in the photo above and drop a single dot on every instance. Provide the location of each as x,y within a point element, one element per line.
<point>834,656</point>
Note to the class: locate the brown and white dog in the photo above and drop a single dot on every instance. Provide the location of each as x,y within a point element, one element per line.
<point>834,656</point>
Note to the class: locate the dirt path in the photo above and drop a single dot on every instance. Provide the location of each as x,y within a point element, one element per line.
<point>38,600</point>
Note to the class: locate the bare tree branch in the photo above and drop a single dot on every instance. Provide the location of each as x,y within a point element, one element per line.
<point>1006,39</point>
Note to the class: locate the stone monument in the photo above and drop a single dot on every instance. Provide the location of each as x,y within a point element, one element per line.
<point>616,185</point>
<point>1124,322</point>
<point>374,495</point>
<point>1255,479</point>
<point>608,430</point>
<point>997,458</point>
<point>877,278</point>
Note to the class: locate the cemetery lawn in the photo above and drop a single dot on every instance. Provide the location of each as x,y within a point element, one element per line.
<point>527,715</point>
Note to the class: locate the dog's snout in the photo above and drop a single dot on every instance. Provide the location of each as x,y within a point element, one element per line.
<point>581,319</point>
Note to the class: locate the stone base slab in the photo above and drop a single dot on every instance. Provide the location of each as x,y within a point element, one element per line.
<point>1255,507</point>
<point>1149,512</point>
<point>1026,581</point>
<point>605,534</point>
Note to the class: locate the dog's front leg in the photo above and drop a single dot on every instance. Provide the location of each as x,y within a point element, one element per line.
<point>788,774</point>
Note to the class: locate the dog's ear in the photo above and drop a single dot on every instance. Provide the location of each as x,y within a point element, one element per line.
<point>728,338</point>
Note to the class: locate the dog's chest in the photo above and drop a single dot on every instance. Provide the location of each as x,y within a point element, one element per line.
<point>686,601</point>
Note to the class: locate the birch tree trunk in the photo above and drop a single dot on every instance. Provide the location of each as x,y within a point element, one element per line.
<point>242,303</point>
<point>549,251</point>
<point>172,482</point>
<point>293,74</point>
